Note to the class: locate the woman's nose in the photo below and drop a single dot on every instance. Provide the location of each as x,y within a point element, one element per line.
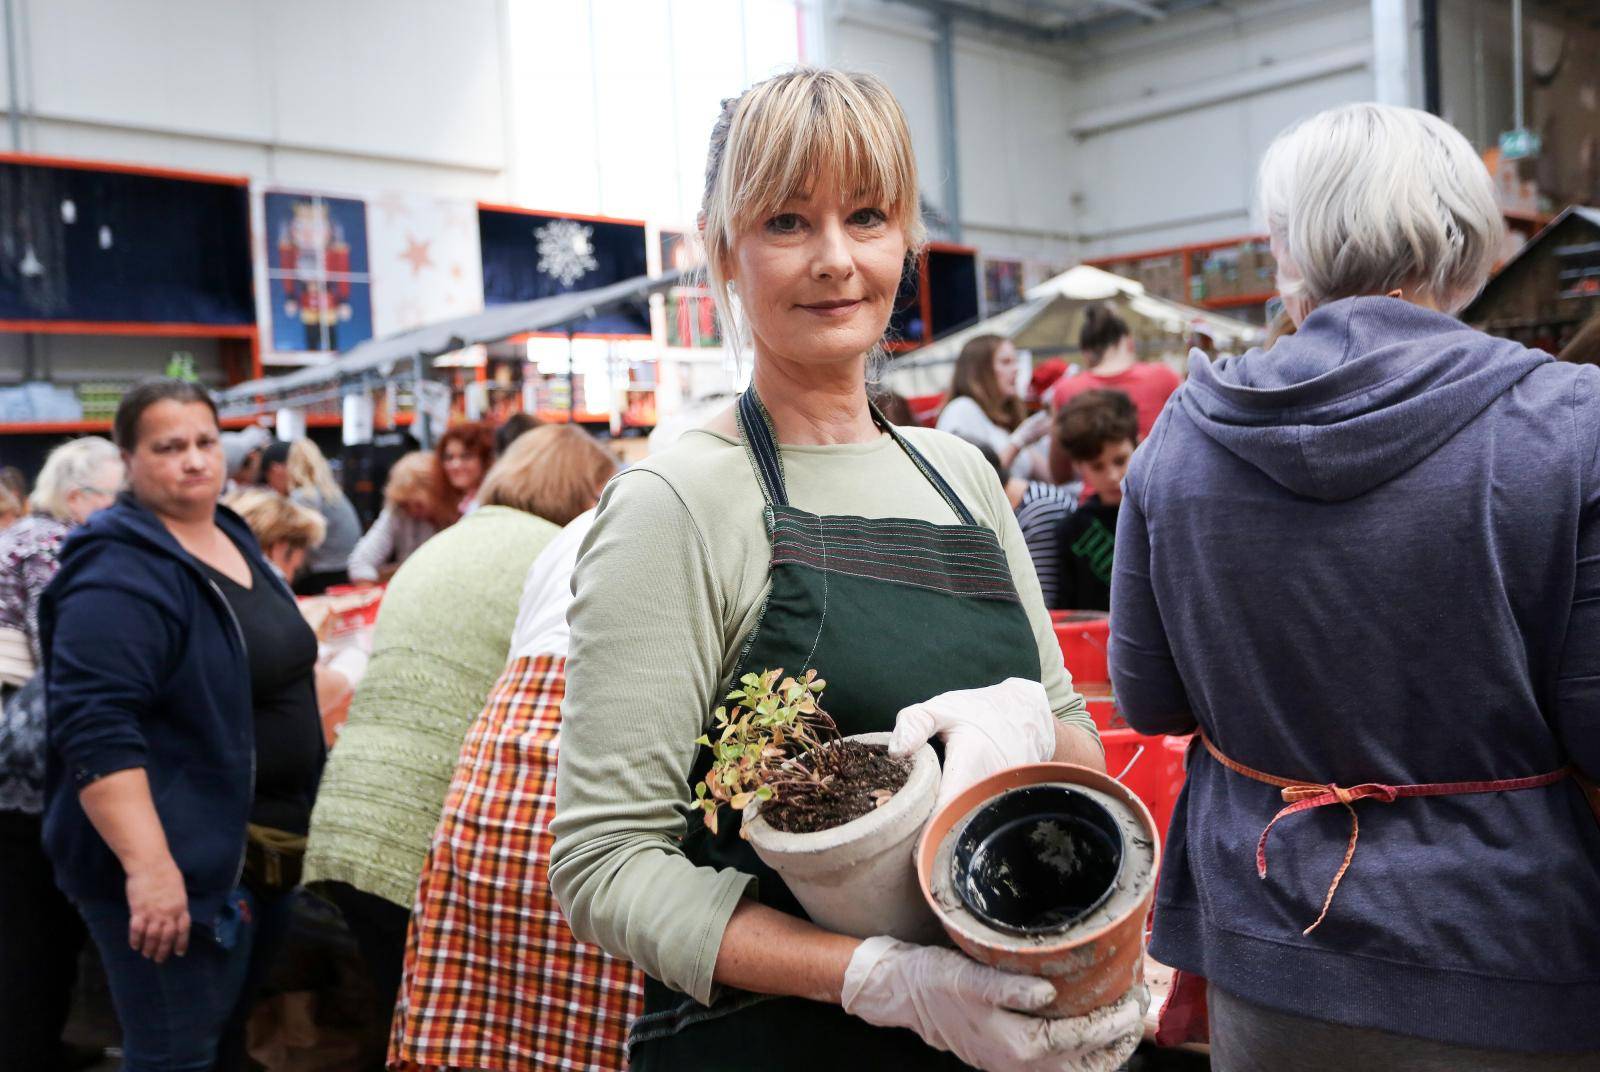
<point>831,258</point>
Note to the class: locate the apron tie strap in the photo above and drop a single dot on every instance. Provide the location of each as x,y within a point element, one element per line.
<point>1301,796</point>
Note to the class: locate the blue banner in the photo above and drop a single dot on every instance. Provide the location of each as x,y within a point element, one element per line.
<point>529,255</point>
<point>113,246</point>
<point>319,289</point>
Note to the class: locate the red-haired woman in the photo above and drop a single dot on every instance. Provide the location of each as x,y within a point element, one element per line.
<point>464,454</point>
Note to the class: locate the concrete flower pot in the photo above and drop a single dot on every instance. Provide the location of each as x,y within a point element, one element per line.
<point>860,878</point>
<point>1049,870</point>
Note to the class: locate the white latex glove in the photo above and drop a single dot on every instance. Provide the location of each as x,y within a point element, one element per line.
<point>964,1007</point>
<point>984,730</point>
<point>1031,430</point>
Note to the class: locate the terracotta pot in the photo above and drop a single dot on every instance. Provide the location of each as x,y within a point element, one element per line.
<point>860,878</point>
<point>1092,952</point>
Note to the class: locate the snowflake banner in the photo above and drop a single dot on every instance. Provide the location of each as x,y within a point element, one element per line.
<point>528,255</point>
<point>566,250</point>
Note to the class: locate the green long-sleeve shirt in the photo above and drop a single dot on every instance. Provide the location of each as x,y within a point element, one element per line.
<point>668,586</point>
<point>441,644</point>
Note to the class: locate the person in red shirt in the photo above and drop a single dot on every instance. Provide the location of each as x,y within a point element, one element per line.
<point>1111,362</point>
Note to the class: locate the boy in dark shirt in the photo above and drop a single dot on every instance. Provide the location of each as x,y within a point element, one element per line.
<point>1098,430</point>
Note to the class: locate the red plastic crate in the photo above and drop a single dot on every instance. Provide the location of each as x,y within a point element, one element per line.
<point>356,607</point>
<point>1155,776</point>
<point>1083,635</point>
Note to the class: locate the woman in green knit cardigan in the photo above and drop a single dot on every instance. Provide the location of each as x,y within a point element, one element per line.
<point>441,642</point>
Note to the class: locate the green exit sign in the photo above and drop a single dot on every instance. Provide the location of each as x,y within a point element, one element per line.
<point>1519,143</point>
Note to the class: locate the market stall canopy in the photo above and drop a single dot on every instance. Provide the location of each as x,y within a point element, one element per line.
<point>1047,321</point>
<point>378,359</point>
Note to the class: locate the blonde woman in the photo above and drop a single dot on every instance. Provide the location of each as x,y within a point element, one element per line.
<point>287,533</point>
<point>299,471</point>
<point>411,504</point>
<point>810,211</point>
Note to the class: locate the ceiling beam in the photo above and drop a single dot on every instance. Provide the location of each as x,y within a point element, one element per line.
<point>1139,7</point>
<point>1076,28</point>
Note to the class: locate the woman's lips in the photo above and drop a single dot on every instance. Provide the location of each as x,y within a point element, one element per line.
<point>833,309</point>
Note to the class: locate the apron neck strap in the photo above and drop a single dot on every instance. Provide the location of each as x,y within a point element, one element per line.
<point>761,447</point>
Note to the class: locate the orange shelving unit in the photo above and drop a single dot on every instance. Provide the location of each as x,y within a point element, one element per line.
<point>240,343</point>
<point>940,297</point>
<point>1228,273</point>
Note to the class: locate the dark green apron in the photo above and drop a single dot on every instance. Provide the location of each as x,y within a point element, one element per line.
<point>890,612</point>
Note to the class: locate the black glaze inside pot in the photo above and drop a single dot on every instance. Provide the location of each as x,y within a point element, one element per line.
<point>1036,859</point>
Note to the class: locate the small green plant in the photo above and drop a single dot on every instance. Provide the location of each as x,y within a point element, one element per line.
<point>774,722</point>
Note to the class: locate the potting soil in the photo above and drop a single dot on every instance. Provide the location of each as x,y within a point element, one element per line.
<point>857,776</point>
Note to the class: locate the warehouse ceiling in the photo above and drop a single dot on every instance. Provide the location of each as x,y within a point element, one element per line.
<point>1045,21</point>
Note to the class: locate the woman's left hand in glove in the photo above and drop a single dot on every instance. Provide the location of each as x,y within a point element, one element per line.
<point>984,730</point>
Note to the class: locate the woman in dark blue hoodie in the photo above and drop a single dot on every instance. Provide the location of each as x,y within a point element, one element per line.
<point>181,708</point>
<point>1365,566</point>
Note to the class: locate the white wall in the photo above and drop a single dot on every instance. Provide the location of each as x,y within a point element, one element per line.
<point>1142,138</point>
<point>361,93</point>
<point>614,100</point>
<point>1172,120</point>
<point>599,106</point>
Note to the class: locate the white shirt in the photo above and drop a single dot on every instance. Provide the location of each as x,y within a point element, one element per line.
<point>541,627</point>
<point>965,418</point>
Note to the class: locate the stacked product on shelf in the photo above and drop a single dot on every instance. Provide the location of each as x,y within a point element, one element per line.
<point>1240,271</point>
<point>38,402</point>
<point>99,399</point>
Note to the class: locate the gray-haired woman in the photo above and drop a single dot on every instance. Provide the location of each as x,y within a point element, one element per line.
<point>1366,568</point>
<point>39,943</point>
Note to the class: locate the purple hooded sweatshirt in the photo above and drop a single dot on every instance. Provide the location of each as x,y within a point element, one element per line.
<point>1373,555</point>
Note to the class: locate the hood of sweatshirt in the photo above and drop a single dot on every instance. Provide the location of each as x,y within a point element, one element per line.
<point>1367,388</point>
<point>128,523</point>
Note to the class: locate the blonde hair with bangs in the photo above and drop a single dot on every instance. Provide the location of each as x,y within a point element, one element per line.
<point>778,139</point>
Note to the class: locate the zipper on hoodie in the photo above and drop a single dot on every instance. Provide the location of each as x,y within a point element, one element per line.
<point>244,850</point>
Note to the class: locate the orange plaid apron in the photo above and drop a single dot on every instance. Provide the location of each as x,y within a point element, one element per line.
<point>493,976</point>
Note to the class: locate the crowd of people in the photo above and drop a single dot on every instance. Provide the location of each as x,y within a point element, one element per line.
<point>1360,566</point>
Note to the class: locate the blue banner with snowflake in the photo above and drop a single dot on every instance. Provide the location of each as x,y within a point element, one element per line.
<point>528,255</point>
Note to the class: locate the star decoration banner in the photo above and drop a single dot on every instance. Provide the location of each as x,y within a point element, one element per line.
<point>528,255</point>
<point>426,265</point>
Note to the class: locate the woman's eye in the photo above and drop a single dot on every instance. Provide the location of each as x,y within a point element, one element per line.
<point>784,223</point>
<point>867,217</point>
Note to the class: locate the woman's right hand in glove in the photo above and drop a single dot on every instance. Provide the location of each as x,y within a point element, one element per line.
<point>979,1013</point>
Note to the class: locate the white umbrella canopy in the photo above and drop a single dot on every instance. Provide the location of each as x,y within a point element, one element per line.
<point>1048,322</point>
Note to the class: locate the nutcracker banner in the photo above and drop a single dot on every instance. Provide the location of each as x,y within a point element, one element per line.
<point>319,288</point>
<point>529,255</point>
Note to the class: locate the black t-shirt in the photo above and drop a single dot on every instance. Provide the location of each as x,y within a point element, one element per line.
<point>283,691</point>
<point>1088,535</point>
